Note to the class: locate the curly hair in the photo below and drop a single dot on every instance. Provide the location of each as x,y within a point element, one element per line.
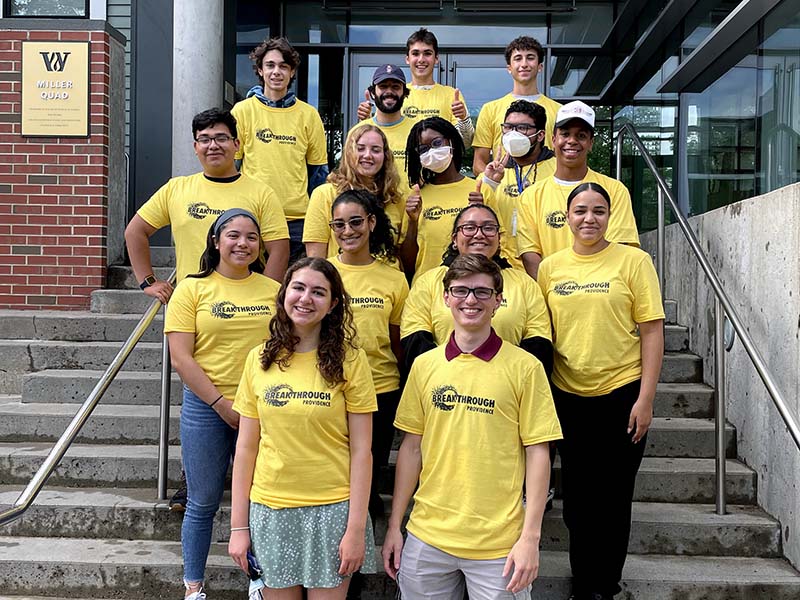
<point>416,173</point>
<point>336,336</point>
<point>533,110</point>
<point>210,258</point>
<point>452,252</point>
<point>385,185</point>
<point>524,42</point>
<point>290,56</point>
<point>381,238</point>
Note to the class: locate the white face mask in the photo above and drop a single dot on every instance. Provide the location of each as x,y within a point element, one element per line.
<point>516,144</point>
<point>437,159</point>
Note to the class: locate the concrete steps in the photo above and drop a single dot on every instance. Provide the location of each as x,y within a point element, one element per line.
<point>139,569</point>
<point>72,386</point>
<point>657,528</point>
<point>132,424</point>
<point>91,465</point>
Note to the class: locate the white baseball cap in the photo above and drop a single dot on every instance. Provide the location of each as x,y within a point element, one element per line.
<point>575,110</point>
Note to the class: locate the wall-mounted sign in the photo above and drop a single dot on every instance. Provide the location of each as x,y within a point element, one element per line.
<point>55,89</point>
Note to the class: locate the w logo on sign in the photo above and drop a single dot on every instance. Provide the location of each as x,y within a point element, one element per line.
<point>55,61</point>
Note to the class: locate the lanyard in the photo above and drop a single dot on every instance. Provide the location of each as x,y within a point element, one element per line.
<point>521,179</point>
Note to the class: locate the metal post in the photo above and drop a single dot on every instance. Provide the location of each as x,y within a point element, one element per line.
<point>719,384</point>
<point>660,242</point>
<point>163,425</point>
<point>618,157</point>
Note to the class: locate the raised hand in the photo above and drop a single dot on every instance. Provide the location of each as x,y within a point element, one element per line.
<point>476,197</point>
<point>458,107</point>
<point>365,107</point>
<point>414,204</point>
<point>495,169</point>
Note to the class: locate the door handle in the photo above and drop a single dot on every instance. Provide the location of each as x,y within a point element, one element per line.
<point>454,71</point>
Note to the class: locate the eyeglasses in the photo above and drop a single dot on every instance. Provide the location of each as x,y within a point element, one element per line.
<point>523,128</point>
<point>354,222</point>
<point>470,229</point>
<point>221,138</point>
<point>462,291</point>
<point>435,143</point>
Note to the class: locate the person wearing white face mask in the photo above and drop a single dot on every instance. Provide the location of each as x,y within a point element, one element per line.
<point>523,160</point>
<point>434,153</point>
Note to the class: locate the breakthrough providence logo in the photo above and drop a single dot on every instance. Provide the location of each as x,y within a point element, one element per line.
<point>446,398</point>
<point>434,213</point>
<point>279,395</point>
<point>201,210</point>
<point>267,135</point>
<point>566,288</point>
<point>227,310</point>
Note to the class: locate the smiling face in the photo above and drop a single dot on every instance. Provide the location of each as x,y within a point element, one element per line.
<point>572,144</point>
<point>422,59</point>
<point>308,299</point>
<point>353,237</point>
<point>588,216</point>
<point>479,242</point>
<point>239,245</point>
<point>389,95</point>
<point>275,72</point>
<point>216,157</point>
<point>524,66</point>
<point>369,153</point>
<point>470,313</point>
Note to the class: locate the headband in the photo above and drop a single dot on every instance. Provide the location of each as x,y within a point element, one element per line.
<point>230,214</point>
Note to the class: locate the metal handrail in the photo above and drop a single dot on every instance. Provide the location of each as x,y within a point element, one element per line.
<point>28,495</point>
<point>721,297</point>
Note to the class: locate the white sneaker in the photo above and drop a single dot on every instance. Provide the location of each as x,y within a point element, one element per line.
<point>198,595</point>
<point>254,593</point>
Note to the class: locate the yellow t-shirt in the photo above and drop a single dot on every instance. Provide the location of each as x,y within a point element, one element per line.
<point>431,101</point>
<point>542,222</point>
<point>522,313</point>
<point>505,200</point>
<point>487,130</point>
<point>377,295</point>
<point>227,318</point>
<point>475,419</point>
<point>440,205</point>
<point>397,136</point>
<point>191,204</point>
<point>595,302</point>
<point>316,228</point>
<point>304,449</point>
<point>277,144</point>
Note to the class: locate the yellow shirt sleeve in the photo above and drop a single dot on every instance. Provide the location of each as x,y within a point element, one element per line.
<point>318,215</point>
<point>484,128</point>
<point>359,391</point>
<point>410,415</point>
<point>246,398</point>
<point>182,308</point>
<point>647,305</point>
<point>417,311</point>
<point>538,322</point>
<point>538,421</point>
<point>156,210</point>
<point>271,217</point>
<point>399,302</point>
<point>317,152</point>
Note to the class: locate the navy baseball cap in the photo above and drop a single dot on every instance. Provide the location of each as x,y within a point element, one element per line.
<point>385,72</point>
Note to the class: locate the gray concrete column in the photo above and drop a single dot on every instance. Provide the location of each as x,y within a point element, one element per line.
<point>196,73</point>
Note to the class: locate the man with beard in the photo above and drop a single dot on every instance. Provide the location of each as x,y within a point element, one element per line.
<point>389,91</point>
<point>522,161</point>
<point>282,138</point>
<point>428,98</point>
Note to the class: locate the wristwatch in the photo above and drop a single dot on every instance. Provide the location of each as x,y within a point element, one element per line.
<point>148,281</point>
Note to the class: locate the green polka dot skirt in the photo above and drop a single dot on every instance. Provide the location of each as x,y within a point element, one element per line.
<point>300,546</point>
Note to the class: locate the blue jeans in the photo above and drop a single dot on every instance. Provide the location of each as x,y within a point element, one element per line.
<point>207,444</point>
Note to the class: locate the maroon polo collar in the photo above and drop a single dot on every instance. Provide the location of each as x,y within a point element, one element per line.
<point>486,351</point>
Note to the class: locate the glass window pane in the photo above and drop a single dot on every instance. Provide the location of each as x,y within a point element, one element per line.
<point>381,32</point>
<point>589,24</point>
<point>48,8</point>
<point>308,22</point>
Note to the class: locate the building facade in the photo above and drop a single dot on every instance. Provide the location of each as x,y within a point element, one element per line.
<point>713,86</point>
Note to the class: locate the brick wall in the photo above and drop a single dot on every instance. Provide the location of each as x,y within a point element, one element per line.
<point>53,191</point>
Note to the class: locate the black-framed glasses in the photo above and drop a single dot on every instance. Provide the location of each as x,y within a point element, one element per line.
<point>523,128</point>
<point>354,222</point>
<point>470,229</point>
<point>220,138</point>
<point>462,291</point>
<point>437,142</point>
